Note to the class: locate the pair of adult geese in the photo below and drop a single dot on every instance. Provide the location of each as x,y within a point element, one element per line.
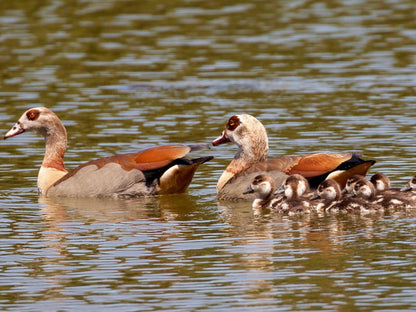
<point>166,170</point>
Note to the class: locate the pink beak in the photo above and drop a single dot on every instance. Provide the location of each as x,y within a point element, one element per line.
<point>17,129</point>
<point>221,139</point>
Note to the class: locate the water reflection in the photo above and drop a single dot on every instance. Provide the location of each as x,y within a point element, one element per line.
<point>161,208</point>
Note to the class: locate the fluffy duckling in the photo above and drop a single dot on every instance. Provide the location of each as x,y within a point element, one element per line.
<point>293,201</point>
<point>388,200</point>
<point>410,189</point>
<point>411,185</point>
<point>349,186</point>
<point>264,188</point>
<point>296,196</point>
<point>382,184</point>
<point>392,198</point>
<point>332,200</point>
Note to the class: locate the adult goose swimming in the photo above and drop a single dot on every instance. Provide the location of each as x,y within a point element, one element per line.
<point>250,136</point>
<point>157,170</point>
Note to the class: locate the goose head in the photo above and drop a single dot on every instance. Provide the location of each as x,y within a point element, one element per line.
<point>249,134</point>
<point>39,120</point>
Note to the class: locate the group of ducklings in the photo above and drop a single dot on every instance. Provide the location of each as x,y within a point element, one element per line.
<point>359,195</point>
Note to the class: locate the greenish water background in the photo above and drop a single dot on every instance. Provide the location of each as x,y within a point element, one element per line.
<point>127,75</point>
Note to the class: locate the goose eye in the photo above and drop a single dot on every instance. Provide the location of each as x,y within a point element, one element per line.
<point>32,114</point>
<point>233,123</point>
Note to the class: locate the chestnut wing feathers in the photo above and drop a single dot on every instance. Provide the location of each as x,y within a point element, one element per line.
<point>132,174</point>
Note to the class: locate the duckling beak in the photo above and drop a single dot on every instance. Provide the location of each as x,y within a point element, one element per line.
<point>315,196</point>
<point>248,190</point>
<point>344,191</point>
<point>405,188</point>
<point>280,190</point>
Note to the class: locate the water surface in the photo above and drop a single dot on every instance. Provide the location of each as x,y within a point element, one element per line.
<point>127,75</point>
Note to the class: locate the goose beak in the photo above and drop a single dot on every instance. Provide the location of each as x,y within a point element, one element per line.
<point>223,138</point>
<point>17,129</point>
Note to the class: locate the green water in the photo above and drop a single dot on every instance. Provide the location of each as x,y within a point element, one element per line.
<point>127,75</point>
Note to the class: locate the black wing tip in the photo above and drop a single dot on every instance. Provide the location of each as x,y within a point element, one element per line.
<point>202,160</point>
<point>356,157</point>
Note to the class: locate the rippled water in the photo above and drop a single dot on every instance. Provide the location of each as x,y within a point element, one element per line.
<point>127,75</point>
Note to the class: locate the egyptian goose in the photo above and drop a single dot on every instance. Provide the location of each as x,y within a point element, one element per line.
<point>157,170</point>
<point>250,136</point>
<point>333,201</point>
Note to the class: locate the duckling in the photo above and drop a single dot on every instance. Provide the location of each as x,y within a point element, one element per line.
<point>411,185</point>
<point>382,184</point>
<point>392,198</point>
<point>263,186</point>
<point>333,201</point>
<point>349,186</point>
<point>388,200</point>
<point>296,199</point>
<point>291,202</point>
<point>410,189</point>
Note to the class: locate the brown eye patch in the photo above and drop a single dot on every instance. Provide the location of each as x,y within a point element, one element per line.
<point>257,180</point>
<point>33,114</point>
<point>233,123</point>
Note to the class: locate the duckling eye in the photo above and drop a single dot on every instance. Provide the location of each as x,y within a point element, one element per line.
<point>32,115</point>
